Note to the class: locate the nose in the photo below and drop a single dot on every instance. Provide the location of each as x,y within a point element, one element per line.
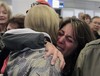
<point>97,26</point>
<point>61,39</point>
<point>1,14</point>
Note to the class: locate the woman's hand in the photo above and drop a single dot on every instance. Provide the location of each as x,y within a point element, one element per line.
<point>52,50</point>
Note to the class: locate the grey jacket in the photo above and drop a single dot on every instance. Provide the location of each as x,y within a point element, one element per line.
<point>88,63</point>
<point>26,57</point>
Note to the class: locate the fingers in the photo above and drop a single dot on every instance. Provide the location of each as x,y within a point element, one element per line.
<point>52,50</point>
<point>54,58</point>
<point>47,54</point>
<point>62,64</point>
<point>62,61</point>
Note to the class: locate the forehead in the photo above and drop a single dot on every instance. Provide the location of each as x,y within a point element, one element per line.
<point>12,24</point>
<point>68,28</point>
<point>80,14</point>
<point>2,8</point>
<point>68,25</point>
<point>96,20</point>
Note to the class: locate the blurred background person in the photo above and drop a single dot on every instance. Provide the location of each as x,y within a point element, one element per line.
<point>80,15</point>
<point>17,21</point>
<point>38,2</point>
<point>5,14</point>
<point>74,17</point>
<point>87,18</point>
<point>95,26</point>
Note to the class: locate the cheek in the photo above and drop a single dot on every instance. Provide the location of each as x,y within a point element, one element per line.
<point>8,28</point>
<point>6,16</point>
<point>69,48</point>
<point>92,26</point>
<point>99,27</point>
<point>58,38</point>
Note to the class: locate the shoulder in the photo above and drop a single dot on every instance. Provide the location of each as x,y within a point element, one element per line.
<point>89,58</point>
<point>91,46</point>
<point>94,42</point>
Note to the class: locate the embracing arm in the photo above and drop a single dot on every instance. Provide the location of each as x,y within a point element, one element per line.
<point>52,50</point>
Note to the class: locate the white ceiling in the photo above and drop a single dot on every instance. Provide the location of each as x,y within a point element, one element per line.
<point>8,1</point>
<point>82,0</point>
<point>82,4</point>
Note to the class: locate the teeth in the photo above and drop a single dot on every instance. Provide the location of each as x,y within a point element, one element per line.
<point>59,48</point>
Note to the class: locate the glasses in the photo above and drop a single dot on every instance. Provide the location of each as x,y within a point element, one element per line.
<point>97,23</point>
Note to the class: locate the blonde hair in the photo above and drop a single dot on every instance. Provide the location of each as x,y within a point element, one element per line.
<point>7,8</point>
<point>43,18</point>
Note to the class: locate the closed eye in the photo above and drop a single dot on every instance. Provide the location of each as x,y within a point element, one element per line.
<point>61,33</point>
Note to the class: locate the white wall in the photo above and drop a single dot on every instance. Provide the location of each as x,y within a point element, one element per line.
<point>71,7</point>
<point>20,6</point>
<point>69,12</point>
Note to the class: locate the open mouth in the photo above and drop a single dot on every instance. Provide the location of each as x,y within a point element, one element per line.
<point>60,48</point>
<point>2,19</point>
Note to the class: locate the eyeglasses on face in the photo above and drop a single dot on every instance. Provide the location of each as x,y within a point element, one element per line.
<point>97,23</point>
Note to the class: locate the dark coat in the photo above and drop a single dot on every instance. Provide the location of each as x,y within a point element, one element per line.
<point>26,57</point>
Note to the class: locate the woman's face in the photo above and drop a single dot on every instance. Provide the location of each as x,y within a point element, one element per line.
<point>95,24</point>
<point>87,20</point>
<point>66,41</point>
<point>3,15</point>
<point>12,26</point>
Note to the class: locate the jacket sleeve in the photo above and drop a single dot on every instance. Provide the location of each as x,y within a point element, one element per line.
<point>88,61</point>
<point>78,67</point>
<point>42,67</point>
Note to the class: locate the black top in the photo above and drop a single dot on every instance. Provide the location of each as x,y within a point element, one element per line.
<point>97,35</point>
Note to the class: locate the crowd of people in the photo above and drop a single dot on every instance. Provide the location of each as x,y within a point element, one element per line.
<point>41,43</point>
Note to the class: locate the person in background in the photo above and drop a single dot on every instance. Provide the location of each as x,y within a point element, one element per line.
<point>95,26</point>
<point>5,15</point>
<point>74,17</point>
<point>43,2</point>
<point>87,18</point>
<point>28,46</point>
<point>39,2</point>
<point>80,15</point>
<point>16,22</point>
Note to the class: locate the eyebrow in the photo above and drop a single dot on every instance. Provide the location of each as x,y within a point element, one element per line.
<point>67,35</point>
